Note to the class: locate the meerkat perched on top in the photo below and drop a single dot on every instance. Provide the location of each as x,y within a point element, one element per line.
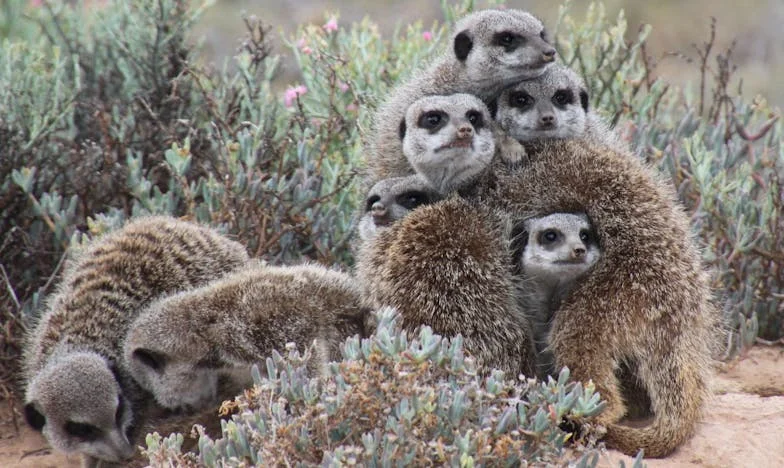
<point>447,265</point>
<point>448,140</point>
<point>78,393</point>
<point>645,306</point>
<point>551,106</point>
<point>559,249</point>
<point>179,345</point>
<point>392,199</point>
<point>489,50</point>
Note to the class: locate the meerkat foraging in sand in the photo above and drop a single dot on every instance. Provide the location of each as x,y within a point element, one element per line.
<point>78,392</point>
<point>646,306</point>
<point>447,265</point>
<point>559,249</point>
<point>489,50</point>
<point>180,344</point>
<point>390,200</point>
<point>551,106</point>
<point>448,140</point>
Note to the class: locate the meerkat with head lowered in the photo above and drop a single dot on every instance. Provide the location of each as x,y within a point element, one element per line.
<point>489,50</point>
<point>552,106</point>
<point>646,305</point>
<point>448,140</point>
<point>558,250</point>
<point>180,344</point>
<point>78,392</point>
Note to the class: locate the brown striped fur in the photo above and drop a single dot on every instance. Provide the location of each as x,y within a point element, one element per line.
<point>76,382</point>
<point>180,344</point>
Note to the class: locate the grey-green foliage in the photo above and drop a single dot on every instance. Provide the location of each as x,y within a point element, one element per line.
<point>391,401</point>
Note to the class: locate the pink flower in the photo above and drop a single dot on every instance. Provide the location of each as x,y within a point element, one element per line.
<point>301,43</point>
<point>352,107</point>
<point>342,86</point>
<point>307,50</point>
<point>292,94</point>
<point>427,35</point>
<point>331,25</point>
<point>36,3</point>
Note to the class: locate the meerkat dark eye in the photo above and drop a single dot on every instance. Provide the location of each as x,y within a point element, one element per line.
<point>151,359</point>
<point>85,432</point>
<point>508,40</point>
<point>521,100</point>
<point>413,199</point>
<point>476,119</point>
<point>563,97</point>
<point>585,236</point>
<point>548,237</point>
<point>432,120</point>
<point>543,35</point>
<point>370,201</point>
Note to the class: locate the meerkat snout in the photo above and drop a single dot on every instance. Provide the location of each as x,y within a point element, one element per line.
<point>465,131</point>
<point>548,55</point>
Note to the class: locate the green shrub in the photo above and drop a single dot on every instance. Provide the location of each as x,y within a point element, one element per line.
<point>391,402</point>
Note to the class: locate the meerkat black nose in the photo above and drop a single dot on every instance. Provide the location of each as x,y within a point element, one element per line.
<point>579,252</point>
<point>378,209</point>
<point>547,119</point>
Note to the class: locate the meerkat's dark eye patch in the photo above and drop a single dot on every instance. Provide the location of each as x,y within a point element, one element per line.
<point>521,100</point>
<point>548,236</point>
<point>34,418</point>
<point>476,118</point>
<point>543,36</point>
<point>149,358</point>
<point>433,120</point>
<point>412,199</point>
<point>584,99</point>
<point>401,129</point>
<point>85,432</point>
<point>463,45</point>
<point>563,97</point>
<point>586,236</point>
<point>509,40</point>
<point>118,414</point>
<point>371,201</point>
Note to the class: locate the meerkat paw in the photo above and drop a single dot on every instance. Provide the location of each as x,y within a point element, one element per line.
<point>512,152</point>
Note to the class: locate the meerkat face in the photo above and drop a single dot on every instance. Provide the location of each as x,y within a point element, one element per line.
<point>392,199</point>
<point>77,404</point>
<point>561,247</point>
<point>554,105</point>
<point>502,46</point>
<point>180,372</point>
<point>448,140</point>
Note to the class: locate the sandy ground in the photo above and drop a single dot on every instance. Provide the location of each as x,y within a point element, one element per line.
<point>743,425</point>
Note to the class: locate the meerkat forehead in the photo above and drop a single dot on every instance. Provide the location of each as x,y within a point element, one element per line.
<point>567,222</point>
<point>485,23</point>
<point>453,105</point>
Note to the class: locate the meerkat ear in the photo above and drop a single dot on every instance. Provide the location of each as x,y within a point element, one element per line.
<point>492,106</point>
<point>463,45</point>
<point>34,418</point>
<point>584,99</point>
<point>401,129</point>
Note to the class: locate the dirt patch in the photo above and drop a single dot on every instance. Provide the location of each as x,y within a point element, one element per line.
<point>743,424</point>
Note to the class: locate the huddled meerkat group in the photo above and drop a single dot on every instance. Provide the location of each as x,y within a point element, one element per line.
<point>499,207</point>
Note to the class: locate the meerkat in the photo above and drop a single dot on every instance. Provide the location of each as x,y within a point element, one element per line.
<point>78,392</point>
<point>646,307</point>
<point>553,105</point>
<point>559,249</point>
<point>447,265</point>
<point>390,200</point>
<point>489,50</point>
<point>180,344</point>
<point>448,140</point>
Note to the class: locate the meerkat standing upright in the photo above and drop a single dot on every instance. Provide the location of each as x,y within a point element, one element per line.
<point>559,249</point>
<point>490,50</point>
<point>78,393</point>
<point>646,306</point>
<point>553,105</point>
<point>180,344</point>
<point>448,140</point>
